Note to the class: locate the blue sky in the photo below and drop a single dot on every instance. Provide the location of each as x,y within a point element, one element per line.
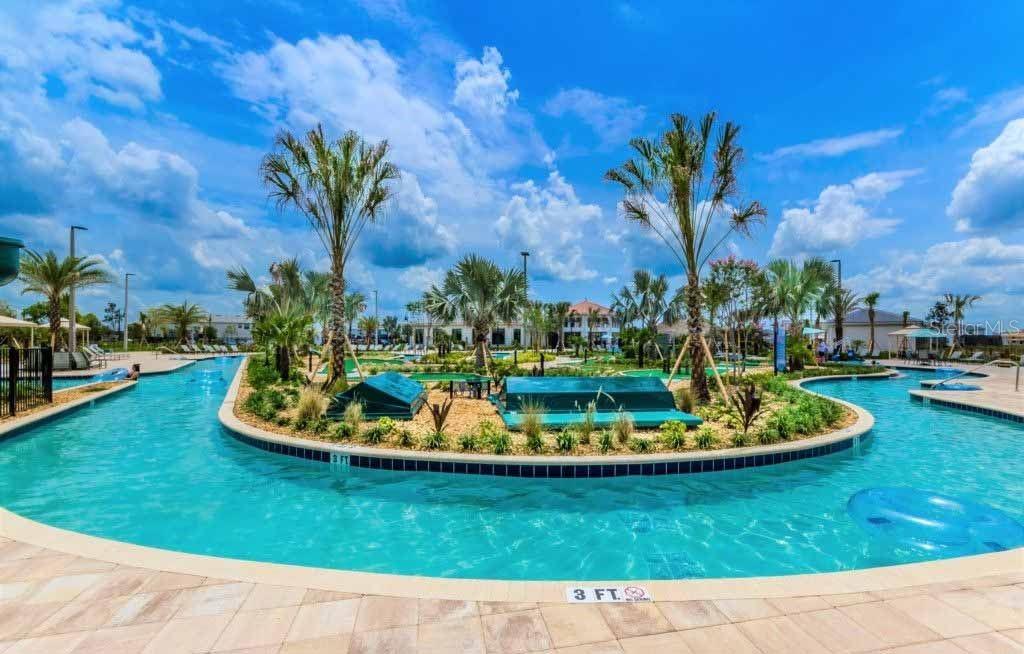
<point>888,135</point>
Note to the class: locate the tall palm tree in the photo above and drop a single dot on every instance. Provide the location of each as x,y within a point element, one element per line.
<point>481,294</point>
<point>53,278</point>
<point>179,317</point>
<point>842,302</point>
<point>594,318</point>
<point>558,313</point>
<point>871,303</point>
<point>671,188</point>
<point>535,321</point>
<point>958,305</point>
<point>338,186</point>
<point>905,319</point>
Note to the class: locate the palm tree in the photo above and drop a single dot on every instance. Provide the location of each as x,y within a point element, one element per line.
<point>368,325</point>
<point>179,317</point>
<point>481,294</point>
<point>53,278</point>
<point>558,313</point>
<point>670,188</point>
<point>535,321</point>
<point>871,303</point>
<point>285,327</point>
<point>353,305</point>
<point>842,303</point>
<point>958,305</point>
<point>390,326</point>
<point>905,319</point>
<point>594,318</point>
<point>339,187</point>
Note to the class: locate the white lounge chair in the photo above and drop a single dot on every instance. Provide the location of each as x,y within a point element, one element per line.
<point>977,356</point>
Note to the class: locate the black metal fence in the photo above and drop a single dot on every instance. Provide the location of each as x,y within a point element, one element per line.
<point>26,379</point>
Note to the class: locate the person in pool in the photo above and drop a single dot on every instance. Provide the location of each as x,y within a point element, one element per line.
<point>133,374</point>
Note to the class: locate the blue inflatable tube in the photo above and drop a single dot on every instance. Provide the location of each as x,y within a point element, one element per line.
<point>114,374</point>
<point>932,522</point>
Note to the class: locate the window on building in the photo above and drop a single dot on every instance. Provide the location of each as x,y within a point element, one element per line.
<point>456,334</point>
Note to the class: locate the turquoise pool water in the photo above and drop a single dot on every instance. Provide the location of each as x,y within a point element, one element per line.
<point>152,466</point>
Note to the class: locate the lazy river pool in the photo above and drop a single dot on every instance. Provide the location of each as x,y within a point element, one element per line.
<point>178,480</point>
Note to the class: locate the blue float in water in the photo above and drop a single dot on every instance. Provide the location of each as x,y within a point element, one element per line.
<point>114,374</point>
<point>932,522</point>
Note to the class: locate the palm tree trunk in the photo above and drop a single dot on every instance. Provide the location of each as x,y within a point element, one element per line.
<point>337,321</point>
<point>54,323</point>
<point>479,349</point>
<point>698,377</point>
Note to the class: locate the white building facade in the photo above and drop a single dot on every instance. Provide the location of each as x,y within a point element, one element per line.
<point>232,329</point>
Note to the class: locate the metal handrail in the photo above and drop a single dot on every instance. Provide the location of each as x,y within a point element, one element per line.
<point>980,366</point>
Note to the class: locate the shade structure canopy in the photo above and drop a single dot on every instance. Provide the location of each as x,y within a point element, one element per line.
<point>78,326</point>
<point>7,322</point>
<point>812,331</point>
<point>388,394</point>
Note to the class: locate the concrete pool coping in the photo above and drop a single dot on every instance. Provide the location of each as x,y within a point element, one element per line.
<point>24,530</point>
<point>863,424</point>
<point>958,569</point>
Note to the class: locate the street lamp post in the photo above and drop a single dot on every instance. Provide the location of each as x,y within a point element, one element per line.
<point>126,276</point>
<point>72,321</point>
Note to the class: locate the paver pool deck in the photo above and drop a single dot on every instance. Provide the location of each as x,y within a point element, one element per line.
<point>65,592</point>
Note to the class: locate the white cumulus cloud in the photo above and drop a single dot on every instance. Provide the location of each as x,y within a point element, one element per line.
<point>482,85</point>
<point>550,221</point>
<point>991,195</point>
<point>841,217</point>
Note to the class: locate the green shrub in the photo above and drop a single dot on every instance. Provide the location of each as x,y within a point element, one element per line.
<point>640,445</point>
<point>501,442</point>
<point>534,441</point>
<point>623,427</point>
<point>404,437</point>
<point>673,434</point>
<point>705,438</point>
<point>565,440</point>
<point>532,425</point>
<point>309,408</point>
<point>739,439</point>
<point>259,374</point>
<point>605,442</point>
<point>354,416</point>
<point>343,432</point>
<point>435,441</point>
<point>468,442</point>
<point>387,425</point>
<point>486,431</point>
<point>684,400</point>
<point>767,435</point>
<point>588,425</point>
<point>375,435</point>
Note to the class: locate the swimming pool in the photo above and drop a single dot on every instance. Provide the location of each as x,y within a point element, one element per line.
<point>175,479</point>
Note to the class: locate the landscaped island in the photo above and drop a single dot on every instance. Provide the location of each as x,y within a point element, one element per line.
<point>763,409</point>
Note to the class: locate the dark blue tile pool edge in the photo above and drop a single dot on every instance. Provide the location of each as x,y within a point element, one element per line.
<point>991,413</point>
<point>552,471</point>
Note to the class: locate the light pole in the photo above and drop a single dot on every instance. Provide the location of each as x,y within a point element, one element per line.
<point>376,319</point>
<point>72,321</point>
<point>126,276</point>
<point>525,255</point>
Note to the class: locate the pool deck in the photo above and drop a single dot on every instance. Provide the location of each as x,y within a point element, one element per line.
<point>150,363</point>
<point>63,592</point>
<point>997,388</point>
